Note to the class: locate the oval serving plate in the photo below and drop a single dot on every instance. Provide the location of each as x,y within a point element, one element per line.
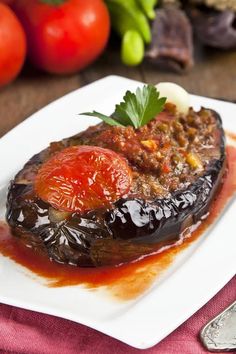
<point>195,276</point>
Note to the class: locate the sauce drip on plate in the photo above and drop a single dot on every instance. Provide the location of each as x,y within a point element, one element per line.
<point>231,135</point>
<point>126,281</point>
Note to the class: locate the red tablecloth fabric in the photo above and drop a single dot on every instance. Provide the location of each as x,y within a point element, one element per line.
<point>28,332</point>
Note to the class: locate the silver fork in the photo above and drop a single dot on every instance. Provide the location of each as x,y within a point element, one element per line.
<point>220,333</point>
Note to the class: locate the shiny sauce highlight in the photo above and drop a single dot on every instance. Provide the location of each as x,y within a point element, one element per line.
<point>126,281</point>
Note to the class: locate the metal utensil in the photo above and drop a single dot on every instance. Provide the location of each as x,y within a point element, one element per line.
<point>220,333</point>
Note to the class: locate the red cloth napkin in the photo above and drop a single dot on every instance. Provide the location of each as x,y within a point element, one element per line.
<point>23,331</point>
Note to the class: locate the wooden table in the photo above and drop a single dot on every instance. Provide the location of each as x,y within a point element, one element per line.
<point>213,75</point>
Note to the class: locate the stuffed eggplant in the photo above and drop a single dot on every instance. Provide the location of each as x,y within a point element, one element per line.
<point>159,183</point>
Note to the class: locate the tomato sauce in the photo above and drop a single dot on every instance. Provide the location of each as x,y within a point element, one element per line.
<point>231,135</point>
<point>126,281</point>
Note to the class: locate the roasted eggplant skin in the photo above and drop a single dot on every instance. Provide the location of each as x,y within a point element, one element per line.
<point>132,228</point>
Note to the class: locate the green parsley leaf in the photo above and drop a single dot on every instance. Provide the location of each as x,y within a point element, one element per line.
<point>136,109</point>
<point>103,117</point>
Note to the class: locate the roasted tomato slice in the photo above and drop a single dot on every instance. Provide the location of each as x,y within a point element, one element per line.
<point>81,178</point>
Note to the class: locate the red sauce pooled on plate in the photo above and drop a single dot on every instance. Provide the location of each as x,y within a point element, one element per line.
<point>231,135</point>
<point>127,281</point>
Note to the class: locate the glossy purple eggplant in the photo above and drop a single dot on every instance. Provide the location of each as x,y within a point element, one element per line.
<point>133,227</point>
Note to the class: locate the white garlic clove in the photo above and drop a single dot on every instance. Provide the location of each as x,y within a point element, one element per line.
<point>175,94</point>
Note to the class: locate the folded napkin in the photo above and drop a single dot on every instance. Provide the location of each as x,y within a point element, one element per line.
<point>28,332</point>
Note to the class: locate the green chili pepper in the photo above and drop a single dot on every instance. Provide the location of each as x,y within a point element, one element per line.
<point>132,48</point>
<point>148,6</point>
<point>126,15</point>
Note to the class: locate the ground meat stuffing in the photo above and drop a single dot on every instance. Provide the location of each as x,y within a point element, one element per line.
<point>164,155</point>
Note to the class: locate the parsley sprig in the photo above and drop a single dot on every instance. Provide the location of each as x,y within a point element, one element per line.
<point>136,109</point>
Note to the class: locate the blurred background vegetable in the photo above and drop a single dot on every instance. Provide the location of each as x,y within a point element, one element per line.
<point>12,45</point>
<point>132,48</point>
<point>148,7</point>
<point>214,28</point>
<point>64,36</point>
<point>172,40</point>
<point>132,15</point>
<point>166,29</point>
<point>213,21</point>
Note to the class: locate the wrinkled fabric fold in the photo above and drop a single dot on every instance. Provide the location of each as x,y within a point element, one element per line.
<point>28,332</point>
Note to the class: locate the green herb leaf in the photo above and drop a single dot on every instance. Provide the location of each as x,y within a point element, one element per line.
<point>136,109</point>
<point>103,117</point>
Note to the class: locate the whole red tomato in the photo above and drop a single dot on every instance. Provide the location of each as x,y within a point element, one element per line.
<point>66,37</point>
<point>12,45</point>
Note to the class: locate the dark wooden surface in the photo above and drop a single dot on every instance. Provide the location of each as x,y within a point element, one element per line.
<point>213,75</point>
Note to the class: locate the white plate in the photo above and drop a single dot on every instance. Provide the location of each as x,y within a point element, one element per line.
<point>197,274</point>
